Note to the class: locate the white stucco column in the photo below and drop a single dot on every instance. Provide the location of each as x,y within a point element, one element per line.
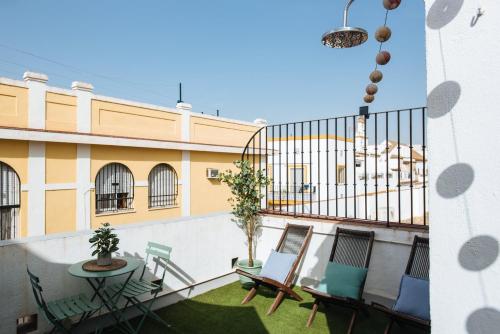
<point>36,189</point>
<point>84,95</point>
<point>83,184</point>
<point>185,108</point>
<point>36,83</point>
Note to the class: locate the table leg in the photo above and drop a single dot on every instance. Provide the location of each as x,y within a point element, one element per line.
<point>110,302</point>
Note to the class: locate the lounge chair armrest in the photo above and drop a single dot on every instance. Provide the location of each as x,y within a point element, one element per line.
<point>379,306</point>
<point>244,273</point>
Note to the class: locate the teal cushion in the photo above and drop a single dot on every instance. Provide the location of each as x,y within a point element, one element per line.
<point>413,297</point>
<point>278,266</point>
<point>342,280</point>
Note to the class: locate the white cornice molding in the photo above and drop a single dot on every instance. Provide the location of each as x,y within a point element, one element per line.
<point>33,76</point>
<point>80,138</point>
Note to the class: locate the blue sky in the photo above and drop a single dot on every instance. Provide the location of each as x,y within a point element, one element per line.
<point>247,58</point>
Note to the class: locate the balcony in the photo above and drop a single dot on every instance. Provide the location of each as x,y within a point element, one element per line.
<point>200,263</point>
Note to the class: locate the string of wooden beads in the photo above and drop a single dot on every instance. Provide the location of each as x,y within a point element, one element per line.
<point>382,35</point>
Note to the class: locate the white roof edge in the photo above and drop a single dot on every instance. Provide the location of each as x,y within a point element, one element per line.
<point>58,90</point>
<point>225,119</point>
<point>12,82</point>
<point>135,103</point>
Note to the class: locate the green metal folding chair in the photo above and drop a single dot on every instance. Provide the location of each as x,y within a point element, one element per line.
<point>59,311</point>
<point>136,287</point>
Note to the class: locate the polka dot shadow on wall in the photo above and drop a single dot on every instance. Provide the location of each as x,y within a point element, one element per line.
<point>455,180</point>
<point>443,98</point>
<point>478,253</point>
<point>443,12</point>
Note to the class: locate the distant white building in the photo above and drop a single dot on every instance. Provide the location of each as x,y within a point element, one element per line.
<point>335,176</point>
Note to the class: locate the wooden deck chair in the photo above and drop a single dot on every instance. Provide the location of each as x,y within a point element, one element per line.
<point>294,240</point>
<point>352,248</point>
<point>418,266</point>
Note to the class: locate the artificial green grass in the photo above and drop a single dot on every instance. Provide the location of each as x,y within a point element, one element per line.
<point>220,311</point>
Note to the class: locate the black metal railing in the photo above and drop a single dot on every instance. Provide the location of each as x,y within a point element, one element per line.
<point>361,167</point>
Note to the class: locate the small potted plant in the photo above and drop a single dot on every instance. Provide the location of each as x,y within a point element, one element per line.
<point>245,202</point>
<point>105,243</point>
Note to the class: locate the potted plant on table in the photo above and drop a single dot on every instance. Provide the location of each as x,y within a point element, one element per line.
<point>245,187</point>
<point>105,243</point>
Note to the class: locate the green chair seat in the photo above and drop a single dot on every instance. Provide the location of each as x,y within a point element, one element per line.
<point>134,288</point>
<point>71,306</point>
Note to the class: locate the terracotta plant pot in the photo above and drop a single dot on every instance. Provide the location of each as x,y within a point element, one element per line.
<point>104,260</point>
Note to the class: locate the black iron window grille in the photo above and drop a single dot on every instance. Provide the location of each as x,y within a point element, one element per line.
<point>163,186</point>
<point>371,169</point>
<point>10,202</point>
<point>114,188</point>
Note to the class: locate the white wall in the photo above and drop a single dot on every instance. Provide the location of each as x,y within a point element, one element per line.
<point>463,71</point>
<point>201,251</point>
<point>389,254</point>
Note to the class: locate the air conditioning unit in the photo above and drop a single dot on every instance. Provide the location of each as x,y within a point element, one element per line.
<point>212,173</point>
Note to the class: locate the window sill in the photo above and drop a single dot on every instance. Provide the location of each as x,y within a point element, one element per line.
<point>164,207</point>
<point>113,213</point>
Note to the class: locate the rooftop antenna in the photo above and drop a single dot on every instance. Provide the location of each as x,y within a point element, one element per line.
<point>180,93</point>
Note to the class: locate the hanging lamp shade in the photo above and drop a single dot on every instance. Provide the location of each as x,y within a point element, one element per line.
<point>371,89</point>
<point>369,98</point>
<point>391,4</point>
<point>383,34</point>
<point>376,76</point>
<point>383,57</point>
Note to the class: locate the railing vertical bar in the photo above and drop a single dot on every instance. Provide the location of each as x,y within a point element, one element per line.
<point>294,169</point>
<point>260,159</point>
<point>280,141</point>
<point>286,171</point>
<point>376,168</point>
<point>366,176</point>
<point>302,164</point>
<point>411,165</point>
<point>266,168</point>
<point>345,166</point>
<point>310,168</point>
<point>387,165</point>
<point>273,168</point>
<point>319,170</point>
<point>336,172</point>
<point>424,170</point>
<point>327,170</point>
<point>399,168</point>
<point>355,199</point>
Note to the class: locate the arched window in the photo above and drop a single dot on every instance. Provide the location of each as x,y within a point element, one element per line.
<point>10,202</point>
<point>162,186</point>
<point>114,188</point>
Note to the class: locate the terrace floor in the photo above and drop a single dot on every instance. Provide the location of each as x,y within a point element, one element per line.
<point>220,311</point>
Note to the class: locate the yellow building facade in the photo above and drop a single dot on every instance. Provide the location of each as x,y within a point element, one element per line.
<point>71,160</point>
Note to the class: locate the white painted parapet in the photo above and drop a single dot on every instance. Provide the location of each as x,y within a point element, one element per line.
<point>201,251</point>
